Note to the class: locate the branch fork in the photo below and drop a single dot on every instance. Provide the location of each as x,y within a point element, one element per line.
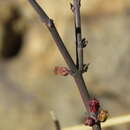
<point>77,69</point>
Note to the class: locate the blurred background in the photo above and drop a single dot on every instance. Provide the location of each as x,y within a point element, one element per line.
<point>29,90</point>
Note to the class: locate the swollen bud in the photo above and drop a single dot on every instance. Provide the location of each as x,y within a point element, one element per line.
<point>63,71</point>
<point>89,121</point>
<point>94,105</point>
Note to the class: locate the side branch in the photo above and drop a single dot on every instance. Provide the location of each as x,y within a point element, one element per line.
<point>77,75</point>
<point>76,12</point>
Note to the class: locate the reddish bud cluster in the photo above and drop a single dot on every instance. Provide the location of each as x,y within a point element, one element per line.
<point>63,71</point>
<point>96,115</point>
<point>89,121</point>
<point>94,105</point>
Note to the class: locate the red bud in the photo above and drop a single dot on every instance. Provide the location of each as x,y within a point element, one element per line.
<point>63,71</point>
<point>93,105</point>
<point>89,121</point>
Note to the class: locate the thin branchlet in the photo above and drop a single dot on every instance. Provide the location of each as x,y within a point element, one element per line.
<point>56,121</point>
<point>76,73</point>
<point>78,32</point>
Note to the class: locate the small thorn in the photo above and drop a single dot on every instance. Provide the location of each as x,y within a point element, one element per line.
<point>84,43</point>
<point>83,40</point>
<point>72,7</point>
<point>85,67</point>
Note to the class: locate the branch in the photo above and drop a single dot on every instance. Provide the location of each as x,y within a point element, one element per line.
<point>76,73</point>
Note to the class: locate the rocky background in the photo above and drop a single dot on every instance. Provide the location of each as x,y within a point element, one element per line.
<point>28,55</point>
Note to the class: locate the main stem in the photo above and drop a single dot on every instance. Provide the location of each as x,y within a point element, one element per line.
<point>77,75</point>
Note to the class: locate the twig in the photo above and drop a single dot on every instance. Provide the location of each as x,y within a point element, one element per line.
<point>76,73</point>
<point>79,48</point>
<point>51,26</point>
<point>56,121</point>
<point>76,40</point>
